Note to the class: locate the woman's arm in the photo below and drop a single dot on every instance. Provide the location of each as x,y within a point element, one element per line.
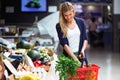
<point>85,39</point>
<point>70,53</point>
<point>85,44</point>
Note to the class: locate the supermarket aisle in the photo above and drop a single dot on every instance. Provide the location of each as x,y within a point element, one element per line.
<point>107,60</point>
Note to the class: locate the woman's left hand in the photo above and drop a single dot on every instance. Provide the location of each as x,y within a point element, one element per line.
<point>81,55</point>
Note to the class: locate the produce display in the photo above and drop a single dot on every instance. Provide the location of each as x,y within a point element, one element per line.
<point>33,64</point>
<point>27,62</point>
<point>42,56</point>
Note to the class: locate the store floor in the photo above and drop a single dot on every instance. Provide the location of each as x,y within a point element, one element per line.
<point>108,61</point>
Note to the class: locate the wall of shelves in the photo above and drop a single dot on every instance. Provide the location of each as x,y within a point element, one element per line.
<point>28,33</point>
<point>17,32</point>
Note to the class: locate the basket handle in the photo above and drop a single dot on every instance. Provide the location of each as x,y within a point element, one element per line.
<point>83,59</point>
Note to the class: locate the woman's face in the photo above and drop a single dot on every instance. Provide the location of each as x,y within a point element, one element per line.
<point>69,16</point>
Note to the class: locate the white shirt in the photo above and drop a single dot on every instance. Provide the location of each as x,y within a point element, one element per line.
<point>73,36</point>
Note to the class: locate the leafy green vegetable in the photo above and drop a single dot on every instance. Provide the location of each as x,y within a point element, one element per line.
<point>66,66</point>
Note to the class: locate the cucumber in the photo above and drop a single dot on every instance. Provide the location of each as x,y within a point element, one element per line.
<point>34,54</point>
<point>23,45</point>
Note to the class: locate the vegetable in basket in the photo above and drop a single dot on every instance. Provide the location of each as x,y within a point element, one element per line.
<point>66,66</point>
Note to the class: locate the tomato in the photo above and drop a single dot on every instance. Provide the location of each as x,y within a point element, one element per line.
<point>37,63</point>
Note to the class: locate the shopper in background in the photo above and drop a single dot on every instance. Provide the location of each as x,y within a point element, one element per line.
<point>95,35</point>
<point>72,33</point>
<point>92,30</point>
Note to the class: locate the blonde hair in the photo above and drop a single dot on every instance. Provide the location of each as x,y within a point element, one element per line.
<point>64,7</point>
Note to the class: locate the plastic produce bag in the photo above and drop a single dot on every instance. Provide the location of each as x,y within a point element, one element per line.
<point>52,75</point>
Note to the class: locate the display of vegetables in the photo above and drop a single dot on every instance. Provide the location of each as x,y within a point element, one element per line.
<point>35,62</point>
<point>41,62</point>
<point>41,57</point>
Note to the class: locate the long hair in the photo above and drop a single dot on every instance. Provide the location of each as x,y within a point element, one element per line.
<point>64,7</point>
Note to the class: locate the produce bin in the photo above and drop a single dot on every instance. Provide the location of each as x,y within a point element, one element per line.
<point>86,73</point>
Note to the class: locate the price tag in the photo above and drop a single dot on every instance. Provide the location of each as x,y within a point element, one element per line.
<point>10,66</point>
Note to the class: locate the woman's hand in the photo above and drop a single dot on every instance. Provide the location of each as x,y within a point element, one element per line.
<point>76,59</point>
<point>69,51</point>
<point>81,55</point>
<point>79,63</point>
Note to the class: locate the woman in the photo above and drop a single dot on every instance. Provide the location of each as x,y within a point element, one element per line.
<point>72,33</point>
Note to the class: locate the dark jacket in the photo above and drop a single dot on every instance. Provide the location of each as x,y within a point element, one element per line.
<point>83,35</point>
